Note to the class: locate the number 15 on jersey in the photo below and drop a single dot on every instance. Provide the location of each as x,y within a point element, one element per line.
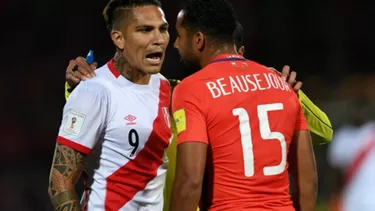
<point>266,134</point>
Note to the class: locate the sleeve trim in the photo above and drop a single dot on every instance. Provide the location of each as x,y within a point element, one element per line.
<point>191,141</point>
<point>80,148</point>
<point>301,129</point>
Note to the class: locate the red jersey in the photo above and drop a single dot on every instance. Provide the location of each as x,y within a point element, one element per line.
<point>247,115</point>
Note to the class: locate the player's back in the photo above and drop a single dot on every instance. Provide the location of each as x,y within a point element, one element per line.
<point>251,116</point>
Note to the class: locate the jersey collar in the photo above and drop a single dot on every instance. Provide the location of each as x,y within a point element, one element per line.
<point>227,57</point>
<point>112,68</point>
<point>123,82</point>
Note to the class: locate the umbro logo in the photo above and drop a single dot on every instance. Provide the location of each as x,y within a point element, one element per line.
<point>131,119</point>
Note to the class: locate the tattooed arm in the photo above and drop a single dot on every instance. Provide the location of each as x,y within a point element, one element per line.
<point>66,168</point>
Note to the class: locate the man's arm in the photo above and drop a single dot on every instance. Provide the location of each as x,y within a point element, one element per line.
<point>317,120</point>
<point>187,188</point>
<point>82,123</point>
<point>188,112</point>
<point>302,168</point>
<point>66,168</point>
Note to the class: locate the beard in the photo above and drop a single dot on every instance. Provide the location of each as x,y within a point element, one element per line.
<point>191,63</point>
<point>189,67</point>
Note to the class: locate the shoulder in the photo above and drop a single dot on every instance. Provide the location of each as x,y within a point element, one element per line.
<point>191,81</point>
<point>188,91</point>
<point>183,86</point>
<point>96,86</point>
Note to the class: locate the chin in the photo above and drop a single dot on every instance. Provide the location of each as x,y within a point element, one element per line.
<point>153,70</point>
<point>194,66</point>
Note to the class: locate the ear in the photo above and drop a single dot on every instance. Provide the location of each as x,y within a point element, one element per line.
<point>200,40</point>
<point>118,39</point>
<point>241,50</point>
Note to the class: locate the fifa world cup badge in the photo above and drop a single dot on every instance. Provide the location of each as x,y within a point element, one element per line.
<point>74,120</point>
<point>74,123</point>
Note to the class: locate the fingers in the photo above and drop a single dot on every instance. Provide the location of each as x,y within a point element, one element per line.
<point>93,67</point>
<point>78,69</point>
<point>292,78</point>
<point>72,80</point>
<point>84,68</point>
<point>289,78</point>
<point>297,86</point>
<point>285,72</point>
<point>69,76</point>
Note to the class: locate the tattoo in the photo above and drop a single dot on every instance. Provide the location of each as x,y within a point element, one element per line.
<point>66,201</point>
<point>69,206</point>
<point>132,74</point>
<point>120,63</point>
<point>66,169</point>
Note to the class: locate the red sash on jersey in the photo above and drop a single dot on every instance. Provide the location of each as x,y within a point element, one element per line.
<point>358,161</point>
<point>353,168</point>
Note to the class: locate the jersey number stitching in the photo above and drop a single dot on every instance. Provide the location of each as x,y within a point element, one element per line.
<point>266,134</point>
<point>134,142</point>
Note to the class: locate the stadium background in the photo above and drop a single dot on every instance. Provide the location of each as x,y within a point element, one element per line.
<point>329,43</point>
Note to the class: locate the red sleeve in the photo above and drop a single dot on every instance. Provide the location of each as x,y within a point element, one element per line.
<point>301,123</point>
<point>189,115</point>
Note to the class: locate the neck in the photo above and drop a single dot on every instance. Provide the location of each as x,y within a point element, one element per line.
<point>132,74</point>
<point>216,51</point>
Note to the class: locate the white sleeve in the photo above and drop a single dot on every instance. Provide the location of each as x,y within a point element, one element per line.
<point>343,147</point>
<point>84,118</point>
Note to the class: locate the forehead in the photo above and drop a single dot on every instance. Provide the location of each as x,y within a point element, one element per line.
<point>148,15</point>
<point>180,16</point>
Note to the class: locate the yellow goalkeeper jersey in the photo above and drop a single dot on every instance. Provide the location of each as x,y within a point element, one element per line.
<point>319,124</point>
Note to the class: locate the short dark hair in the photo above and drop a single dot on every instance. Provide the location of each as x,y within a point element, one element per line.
<point>117,10</point>
<point>238,35</point>
<point>215,18</point>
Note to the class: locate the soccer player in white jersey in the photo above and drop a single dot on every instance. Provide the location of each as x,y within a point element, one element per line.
<point>353,151</point>
<point>116,126</point>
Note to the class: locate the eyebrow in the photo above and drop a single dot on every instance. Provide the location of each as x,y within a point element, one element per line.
<point>149,26</point>
<point>165,25</point>
<point>144,26</point>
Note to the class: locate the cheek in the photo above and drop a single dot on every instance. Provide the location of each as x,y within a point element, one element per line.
<point>176,43</point>
<point>138,48</point>
<point>134,51</point>
<point>167,38</point>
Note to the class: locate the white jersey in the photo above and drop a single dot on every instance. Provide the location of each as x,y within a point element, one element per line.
<point>353,149</point>
<point>124,129</point>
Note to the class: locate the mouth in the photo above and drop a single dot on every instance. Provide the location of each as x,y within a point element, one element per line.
<point>154,58</point>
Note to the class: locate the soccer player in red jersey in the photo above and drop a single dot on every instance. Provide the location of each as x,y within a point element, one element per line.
<point>240,126</point>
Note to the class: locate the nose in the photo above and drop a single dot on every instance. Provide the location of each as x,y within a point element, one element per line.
<point>175,44</point>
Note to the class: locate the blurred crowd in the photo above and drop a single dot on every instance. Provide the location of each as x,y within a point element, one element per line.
<point>329,44</point>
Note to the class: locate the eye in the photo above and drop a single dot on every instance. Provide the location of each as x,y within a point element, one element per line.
<point>164,29</point>
<point>145,30</point>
